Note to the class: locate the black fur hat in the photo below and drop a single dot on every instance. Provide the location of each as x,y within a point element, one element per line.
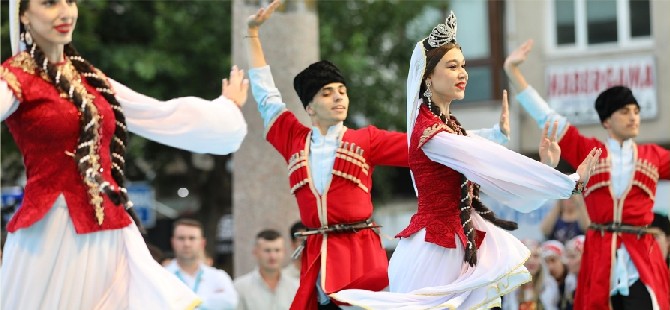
<point>308,82</point>
<point>612,99</point>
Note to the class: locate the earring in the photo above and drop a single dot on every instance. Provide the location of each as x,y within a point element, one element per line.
<point>26,37</point>
<point>428,94</point>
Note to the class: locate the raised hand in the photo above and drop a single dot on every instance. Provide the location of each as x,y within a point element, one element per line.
<point>519,55</point>
<point>236,87</point>
<point>587,166</point>
<point>550,152</point>
<point>256,20</point>
<point>504,115</point>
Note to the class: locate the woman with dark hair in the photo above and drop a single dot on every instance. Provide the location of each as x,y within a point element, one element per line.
<point>73,243</point>
<point>455,253</point>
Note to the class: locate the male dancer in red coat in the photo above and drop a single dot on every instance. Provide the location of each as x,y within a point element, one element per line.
<point>622,267</point>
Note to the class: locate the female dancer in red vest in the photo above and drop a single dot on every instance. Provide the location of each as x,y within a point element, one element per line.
<point>455,254</point>
<point>71,244</point>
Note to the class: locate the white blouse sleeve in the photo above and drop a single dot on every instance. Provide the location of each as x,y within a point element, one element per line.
<point>189,123</point>
<point>513,179</point>
<point>8,103</point>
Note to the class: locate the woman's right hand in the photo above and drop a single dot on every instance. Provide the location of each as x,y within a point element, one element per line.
<point>588,165</point>
<point>256,20</point>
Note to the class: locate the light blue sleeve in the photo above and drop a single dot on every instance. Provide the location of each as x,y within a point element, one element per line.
<point>539,110</point>
<point>492,134</point>
<point>266,94</point>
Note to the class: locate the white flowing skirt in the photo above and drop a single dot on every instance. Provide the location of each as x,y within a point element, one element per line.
<point>49,266</point>
<point>423,275</point>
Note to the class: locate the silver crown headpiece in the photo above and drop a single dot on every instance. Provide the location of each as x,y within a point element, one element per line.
<point>442,33</point>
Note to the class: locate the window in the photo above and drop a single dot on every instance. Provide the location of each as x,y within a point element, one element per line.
<point>580,24</point>
<point>480,33</point>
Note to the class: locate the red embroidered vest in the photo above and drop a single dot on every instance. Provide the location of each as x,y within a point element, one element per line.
<point>438,187</point>
<point>45,128</point>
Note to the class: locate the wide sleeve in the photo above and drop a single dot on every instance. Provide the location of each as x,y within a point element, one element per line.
<point>388,148</point>
<point>8,102</point>
<point>189,123</point>
<point>492,134</point>
<point>508,177</point>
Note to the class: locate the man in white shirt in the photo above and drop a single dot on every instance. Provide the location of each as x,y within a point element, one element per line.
<point>266,287</point>
<point>212,285</point>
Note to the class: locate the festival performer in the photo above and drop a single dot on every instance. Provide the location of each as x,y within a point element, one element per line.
<point>73,244</point>
<point>455,253</point>
<point>621,262</point>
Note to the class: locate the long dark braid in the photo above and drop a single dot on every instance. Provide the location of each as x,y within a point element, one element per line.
<point>119,141</point>
<point>85,154</point>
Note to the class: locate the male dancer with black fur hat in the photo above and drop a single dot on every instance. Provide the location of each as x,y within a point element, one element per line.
<point>330,174</point>
<point>622,266</point>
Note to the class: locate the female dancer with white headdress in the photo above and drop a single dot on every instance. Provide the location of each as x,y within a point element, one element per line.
<point>72,243</point>
<point>454,253</point>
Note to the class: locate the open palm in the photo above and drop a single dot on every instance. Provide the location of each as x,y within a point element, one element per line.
<point>550,151</point>
<point>262,15</point>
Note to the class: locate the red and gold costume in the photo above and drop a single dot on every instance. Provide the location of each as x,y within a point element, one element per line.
<point>344,260</point>
<point>46,128</point>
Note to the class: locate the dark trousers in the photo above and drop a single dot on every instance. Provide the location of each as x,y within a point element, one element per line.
<point>638,298</point>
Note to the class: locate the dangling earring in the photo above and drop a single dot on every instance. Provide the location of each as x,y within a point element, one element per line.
<point>26,37</point>
<point>428,94</point>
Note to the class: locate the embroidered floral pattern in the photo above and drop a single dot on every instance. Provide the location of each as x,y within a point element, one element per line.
<point>431,131</point>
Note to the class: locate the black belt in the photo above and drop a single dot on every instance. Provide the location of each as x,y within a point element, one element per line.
<point>338,228</point>
<point>620,228</point>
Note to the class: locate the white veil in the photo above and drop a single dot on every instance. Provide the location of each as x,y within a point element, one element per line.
<point>417,67</point>
<point>14,27</point>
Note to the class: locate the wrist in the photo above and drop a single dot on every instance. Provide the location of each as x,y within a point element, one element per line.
<point>579,187</point>
<point>252,31</point>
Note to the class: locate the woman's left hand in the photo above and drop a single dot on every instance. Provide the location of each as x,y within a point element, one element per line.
<point>236,87</point>
<point>504,116</point>
<point>550,151</point>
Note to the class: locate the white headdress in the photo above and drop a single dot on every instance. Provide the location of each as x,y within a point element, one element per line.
<point>441,34</point>
<point>15,27</point>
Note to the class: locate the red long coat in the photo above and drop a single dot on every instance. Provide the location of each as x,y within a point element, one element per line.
<point>634,208</point>
<point>348,260</point>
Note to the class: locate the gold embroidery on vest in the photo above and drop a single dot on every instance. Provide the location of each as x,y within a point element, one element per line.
<point>431,131</point>
<point>351,178</point>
